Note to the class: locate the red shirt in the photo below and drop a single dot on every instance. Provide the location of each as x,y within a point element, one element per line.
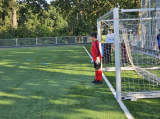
<point>95,52</point>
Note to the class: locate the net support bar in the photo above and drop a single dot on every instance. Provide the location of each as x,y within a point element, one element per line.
<point>106,15</point>
<point>137,95</point>
<point>127,69</point>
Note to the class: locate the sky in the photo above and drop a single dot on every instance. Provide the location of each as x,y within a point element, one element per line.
<point>48,1</point>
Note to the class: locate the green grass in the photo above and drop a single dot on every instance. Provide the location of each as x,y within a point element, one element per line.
<point>103,38</point>
<point>143,60</point>
<point>132,82</point>
<point>61,89</point>
<point>142,108</point>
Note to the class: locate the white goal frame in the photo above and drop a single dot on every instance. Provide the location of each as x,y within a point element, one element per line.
<point>115,12</point>
<point>118,68</point>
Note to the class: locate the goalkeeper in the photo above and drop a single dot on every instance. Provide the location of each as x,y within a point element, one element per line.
<point>96,55</point>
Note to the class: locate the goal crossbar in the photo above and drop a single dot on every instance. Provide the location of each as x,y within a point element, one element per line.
<point>133,19</point>
<point>140,10</point>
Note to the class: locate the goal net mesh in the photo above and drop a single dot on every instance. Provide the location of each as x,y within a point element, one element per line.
<point>140,60</point>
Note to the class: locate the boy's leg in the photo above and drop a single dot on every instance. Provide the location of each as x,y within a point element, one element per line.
<point>99,77</point>
<point>96,74</point>
<point>96,78</point>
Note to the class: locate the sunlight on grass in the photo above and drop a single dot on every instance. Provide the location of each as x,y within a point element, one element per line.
<point>25,52</point>
<point>16,52</point>
<point>7,63</point>
<point>26,63</point>
<point>64,101</point>
<point>2,94</point>
<point>51,81</point>
<point>80,96</point>
<point>54,85</point>
<point>12,95</point>
<point>24,67</point>
<point>32,84</point>
<point>36,97</point>
<point>16,88</point>
<point>7,102</point>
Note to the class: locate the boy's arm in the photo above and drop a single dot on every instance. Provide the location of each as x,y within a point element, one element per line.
<point>97,48</point>
<point>95,51</point>
<point>98,53</point>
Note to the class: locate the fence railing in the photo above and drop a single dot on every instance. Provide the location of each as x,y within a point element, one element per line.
<point>45,41</point>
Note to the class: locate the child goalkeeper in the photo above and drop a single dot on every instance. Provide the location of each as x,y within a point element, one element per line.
<point>96,55</point>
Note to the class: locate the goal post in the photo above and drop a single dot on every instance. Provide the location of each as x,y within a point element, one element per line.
<point>115,14</point>
<point>134,59</point>
<point>117,53</point>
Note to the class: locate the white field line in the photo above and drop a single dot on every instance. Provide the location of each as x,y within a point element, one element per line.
<point>88,52</point>
<point>124,108</point>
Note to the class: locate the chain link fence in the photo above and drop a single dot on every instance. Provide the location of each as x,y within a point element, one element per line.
<point>45,41</point>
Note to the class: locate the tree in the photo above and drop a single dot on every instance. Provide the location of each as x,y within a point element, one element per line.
<point>36,18</point>
<point>14,15</point>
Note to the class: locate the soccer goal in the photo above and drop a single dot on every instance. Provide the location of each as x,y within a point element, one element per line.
<point>135,57</point>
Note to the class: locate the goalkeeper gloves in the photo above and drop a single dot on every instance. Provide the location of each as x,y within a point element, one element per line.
<point>98,61</point>
<point>91,60</point>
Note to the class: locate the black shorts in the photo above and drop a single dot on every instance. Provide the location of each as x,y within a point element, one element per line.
<point>97,66</point>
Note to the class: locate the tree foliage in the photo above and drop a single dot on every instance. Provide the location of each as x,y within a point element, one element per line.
<point>37,18</point>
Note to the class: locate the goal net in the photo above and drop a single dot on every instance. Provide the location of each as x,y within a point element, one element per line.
<point>134,55</point>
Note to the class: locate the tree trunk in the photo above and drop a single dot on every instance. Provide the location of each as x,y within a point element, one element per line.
<point>14,16</point>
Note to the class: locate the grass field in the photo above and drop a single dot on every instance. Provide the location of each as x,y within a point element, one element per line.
<point>142,108</point>
<point>103,38</point>
<point>61,89</point>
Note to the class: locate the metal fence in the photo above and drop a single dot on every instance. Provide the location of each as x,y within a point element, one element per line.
<point>45,41</point>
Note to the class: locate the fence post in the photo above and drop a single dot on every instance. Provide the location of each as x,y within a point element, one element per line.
<point>75,39</point>
<point>16,42</point>
<point>36,42</point>
<point>82,38</point>
<point>56,40</point>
